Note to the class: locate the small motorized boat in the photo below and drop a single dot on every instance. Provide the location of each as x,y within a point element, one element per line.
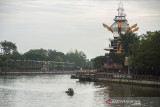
<point>70,91</point>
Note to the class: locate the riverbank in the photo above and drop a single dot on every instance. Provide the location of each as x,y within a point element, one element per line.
<point>128,81</point>
<point>144,80</point>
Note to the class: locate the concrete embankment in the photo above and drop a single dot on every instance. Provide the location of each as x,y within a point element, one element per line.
<point>129,81</point>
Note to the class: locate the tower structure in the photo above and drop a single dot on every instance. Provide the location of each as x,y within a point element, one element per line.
<point>119,26</point>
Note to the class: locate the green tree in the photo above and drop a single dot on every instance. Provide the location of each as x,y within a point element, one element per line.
<point>125,40</point>
<point>53,55</point>
<point>98,61</point>
<point>117,57</point>
<point>16,56</point>
<point>58,59</point>
<point>36,54</point>
<point>8,47</point>
<point>146,54</point>
<point>76,57</point>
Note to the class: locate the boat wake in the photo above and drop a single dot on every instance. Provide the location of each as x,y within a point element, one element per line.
<point>29,89</point>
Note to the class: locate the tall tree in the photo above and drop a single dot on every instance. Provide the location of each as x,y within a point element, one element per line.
<point>36,54</point>
<point>8,47</point>
<point>98,61</point>
<point>126,39</point>
<point>53,55</point>
<point>77,57</point>
<point>147,54</point>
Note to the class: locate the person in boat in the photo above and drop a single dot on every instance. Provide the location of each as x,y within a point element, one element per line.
<point>70,89</point>
<point>70,92</point>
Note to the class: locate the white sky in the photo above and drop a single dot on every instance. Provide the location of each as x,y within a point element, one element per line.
<point>66,25</point>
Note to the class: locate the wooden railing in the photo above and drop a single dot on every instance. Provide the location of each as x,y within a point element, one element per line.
<point>125,76</point>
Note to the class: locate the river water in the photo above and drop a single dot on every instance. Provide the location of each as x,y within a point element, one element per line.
<point>48,90</point>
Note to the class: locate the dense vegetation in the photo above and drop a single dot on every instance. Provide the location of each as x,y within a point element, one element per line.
<point>143,52</point>
<point>34,59</point>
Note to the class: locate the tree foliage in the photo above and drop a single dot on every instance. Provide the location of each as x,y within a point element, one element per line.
<point>126,39</point>
<point>36,54</point>
<point>98,61</point>
<point>77,57</point>
<point>8,47</point>
<point>53,55</point>
<point>146,54</point>
<point>117,57</point>
<point>58,60</point>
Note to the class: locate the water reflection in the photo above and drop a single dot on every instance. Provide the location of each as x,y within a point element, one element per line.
<point>125,90</point>
<point>49,90</point>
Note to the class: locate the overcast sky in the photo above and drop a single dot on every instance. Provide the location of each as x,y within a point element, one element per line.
<point>66,25</point>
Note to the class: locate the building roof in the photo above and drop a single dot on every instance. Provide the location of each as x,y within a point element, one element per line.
<point>108,48</point>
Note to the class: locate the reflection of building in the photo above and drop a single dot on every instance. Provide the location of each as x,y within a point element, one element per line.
<point>120,25</point>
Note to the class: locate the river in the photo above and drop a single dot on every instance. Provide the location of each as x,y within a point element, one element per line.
<point>48,90</point>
